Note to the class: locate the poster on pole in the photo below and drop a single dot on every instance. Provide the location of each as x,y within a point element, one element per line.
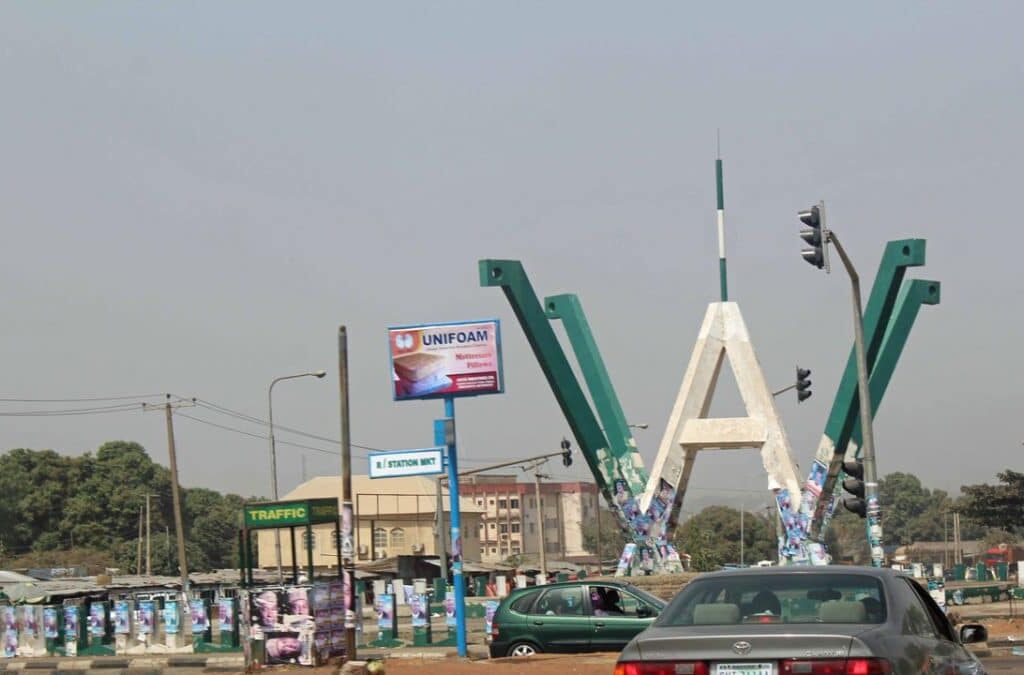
<point>446,359</point>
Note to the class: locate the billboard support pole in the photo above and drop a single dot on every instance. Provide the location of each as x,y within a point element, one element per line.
<point>444,433</point>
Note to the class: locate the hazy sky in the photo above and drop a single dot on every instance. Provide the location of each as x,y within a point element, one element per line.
<point>194,196</point>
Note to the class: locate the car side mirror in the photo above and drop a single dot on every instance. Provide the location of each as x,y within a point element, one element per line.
<point>973,632</point>
<point>644,612</point>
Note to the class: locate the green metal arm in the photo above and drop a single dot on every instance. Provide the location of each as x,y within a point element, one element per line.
<point>898,256</point>
<point>511,277</point>
<point>567,307</point>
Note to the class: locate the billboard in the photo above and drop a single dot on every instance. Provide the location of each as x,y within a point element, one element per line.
<point>446,359</point>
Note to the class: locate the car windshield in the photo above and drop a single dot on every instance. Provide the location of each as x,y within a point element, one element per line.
<point>777,598</point>
<point>652,600</point>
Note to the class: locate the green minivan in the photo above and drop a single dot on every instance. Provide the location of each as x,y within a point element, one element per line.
<point>571,617</point>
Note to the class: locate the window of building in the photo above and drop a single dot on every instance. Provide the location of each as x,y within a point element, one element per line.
<point>502,503</point>
<point>490,502</point>
<point>492,526</point>
<point>515,550</point>
<point>397,538</point>
<point>531,528</point>
<point>380,538</point>
<point>515,528</point>
<point>494,550</point>
<point>514,504</point>
<point>533,503</point>
<point>479,501</point>
<point>504,528</point>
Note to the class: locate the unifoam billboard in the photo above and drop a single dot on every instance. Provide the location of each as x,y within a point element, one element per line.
<point>447,359</point>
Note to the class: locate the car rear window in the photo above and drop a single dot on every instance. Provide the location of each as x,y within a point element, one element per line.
<point>522,604</point>
<point>778,598</point>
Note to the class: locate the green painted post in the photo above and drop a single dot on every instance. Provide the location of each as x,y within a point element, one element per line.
<point>898,256</point>
<point>568,308</point>
<point>511,277</point>
<point>913,294</point>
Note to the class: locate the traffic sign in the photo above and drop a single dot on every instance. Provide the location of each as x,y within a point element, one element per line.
<point>396,463</point>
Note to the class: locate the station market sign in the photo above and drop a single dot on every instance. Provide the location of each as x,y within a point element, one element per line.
<point>291,513</point>
<point>397,463</point>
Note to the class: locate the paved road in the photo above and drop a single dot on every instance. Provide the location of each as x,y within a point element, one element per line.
<point>1004,664</point>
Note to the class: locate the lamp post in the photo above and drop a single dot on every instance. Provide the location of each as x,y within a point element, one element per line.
<point>273,455</point>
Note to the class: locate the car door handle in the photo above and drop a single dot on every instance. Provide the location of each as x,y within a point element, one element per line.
<point>599,624</point>
<point>538,623</point>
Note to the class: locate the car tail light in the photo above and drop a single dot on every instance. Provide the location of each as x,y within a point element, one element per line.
<point>835,667</point>
<point>661,668</point>
<point>494,630</point>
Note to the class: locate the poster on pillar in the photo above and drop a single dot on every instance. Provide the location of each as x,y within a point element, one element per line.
<point>446,359</point>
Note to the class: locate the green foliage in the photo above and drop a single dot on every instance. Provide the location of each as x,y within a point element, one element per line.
<point>611,536</point>
<point>910,511</point>
<point>998,506</point>
<point>54,503</point>
<point>712,538</point>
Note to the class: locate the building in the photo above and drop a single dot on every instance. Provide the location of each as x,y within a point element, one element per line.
<point>501,518</point>
<point>511,520</point>
<point>393,516</point>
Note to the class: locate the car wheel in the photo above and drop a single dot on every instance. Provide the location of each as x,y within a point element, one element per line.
<point>523,649</point>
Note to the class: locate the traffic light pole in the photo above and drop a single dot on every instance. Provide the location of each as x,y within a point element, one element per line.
<point>874,519</point>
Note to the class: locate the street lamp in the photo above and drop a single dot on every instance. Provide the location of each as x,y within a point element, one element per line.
<point>273,454</point>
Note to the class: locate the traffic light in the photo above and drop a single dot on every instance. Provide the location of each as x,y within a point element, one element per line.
<point>854,485</point>
<point>815,234</point>
<point>803,385</point>
<point>566,452</point>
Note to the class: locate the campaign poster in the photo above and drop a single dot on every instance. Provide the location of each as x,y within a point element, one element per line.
<point>626,559</point>
<point>9,620</point>
<point>816,479</point>
<point>298,601</point>
<point>172,617</point>
<point>490,608</point>
<point>147,615</point>
<point>450,359</point>
<point>200,621</point>
<point>226,615</point>
<point>97,619</point>
<point>29,623</point>
<point>283,647</point>
<point>122,617</point>
<point>71,622</point>
<point>51,629</point>
<point>10,643</point>
<point>450,610</point>
<point>265,609</point>
<point>418,605</point>
<point>385,606</point>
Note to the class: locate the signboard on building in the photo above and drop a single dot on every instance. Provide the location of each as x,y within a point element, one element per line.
<point>447,359</point>
<point>396,463</point>
<point>291,513</point>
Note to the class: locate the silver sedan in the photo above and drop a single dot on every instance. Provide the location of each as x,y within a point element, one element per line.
<point>802,620</point>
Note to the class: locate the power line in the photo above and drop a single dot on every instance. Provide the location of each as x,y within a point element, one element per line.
<point>78,400</point>
<point>96,410</point>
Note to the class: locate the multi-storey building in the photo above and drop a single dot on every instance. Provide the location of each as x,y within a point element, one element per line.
<point>510,524</point>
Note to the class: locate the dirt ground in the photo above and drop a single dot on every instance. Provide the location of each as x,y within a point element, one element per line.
<point>588,664</point>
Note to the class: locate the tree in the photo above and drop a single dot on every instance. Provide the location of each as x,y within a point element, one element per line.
<point>712,538</point>
<point>611,535</point>
<point>910,511</point>
<point>999,506</point>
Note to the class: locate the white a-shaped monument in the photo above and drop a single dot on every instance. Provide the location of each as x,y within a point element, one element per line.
<point>723,337</point>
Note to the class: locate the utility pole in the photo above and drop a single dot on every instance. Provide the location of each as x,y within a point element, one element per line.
<point>742,509</point>
<point>347,515</point>
<point>149,550</point>
<point>537,475</point>
<point>173,459</point>
<point>442,555</point>
<point>138,557</point>
<point>945,540</point>
<point>600,566</point>
<point>819,236</point>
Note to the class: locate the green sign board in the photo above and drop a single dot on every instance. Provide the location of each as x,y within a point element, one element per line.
<point>291,513</point>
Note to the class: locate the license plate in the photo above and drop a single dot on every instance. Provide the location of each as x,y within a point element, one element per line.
<point>744,669</point>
